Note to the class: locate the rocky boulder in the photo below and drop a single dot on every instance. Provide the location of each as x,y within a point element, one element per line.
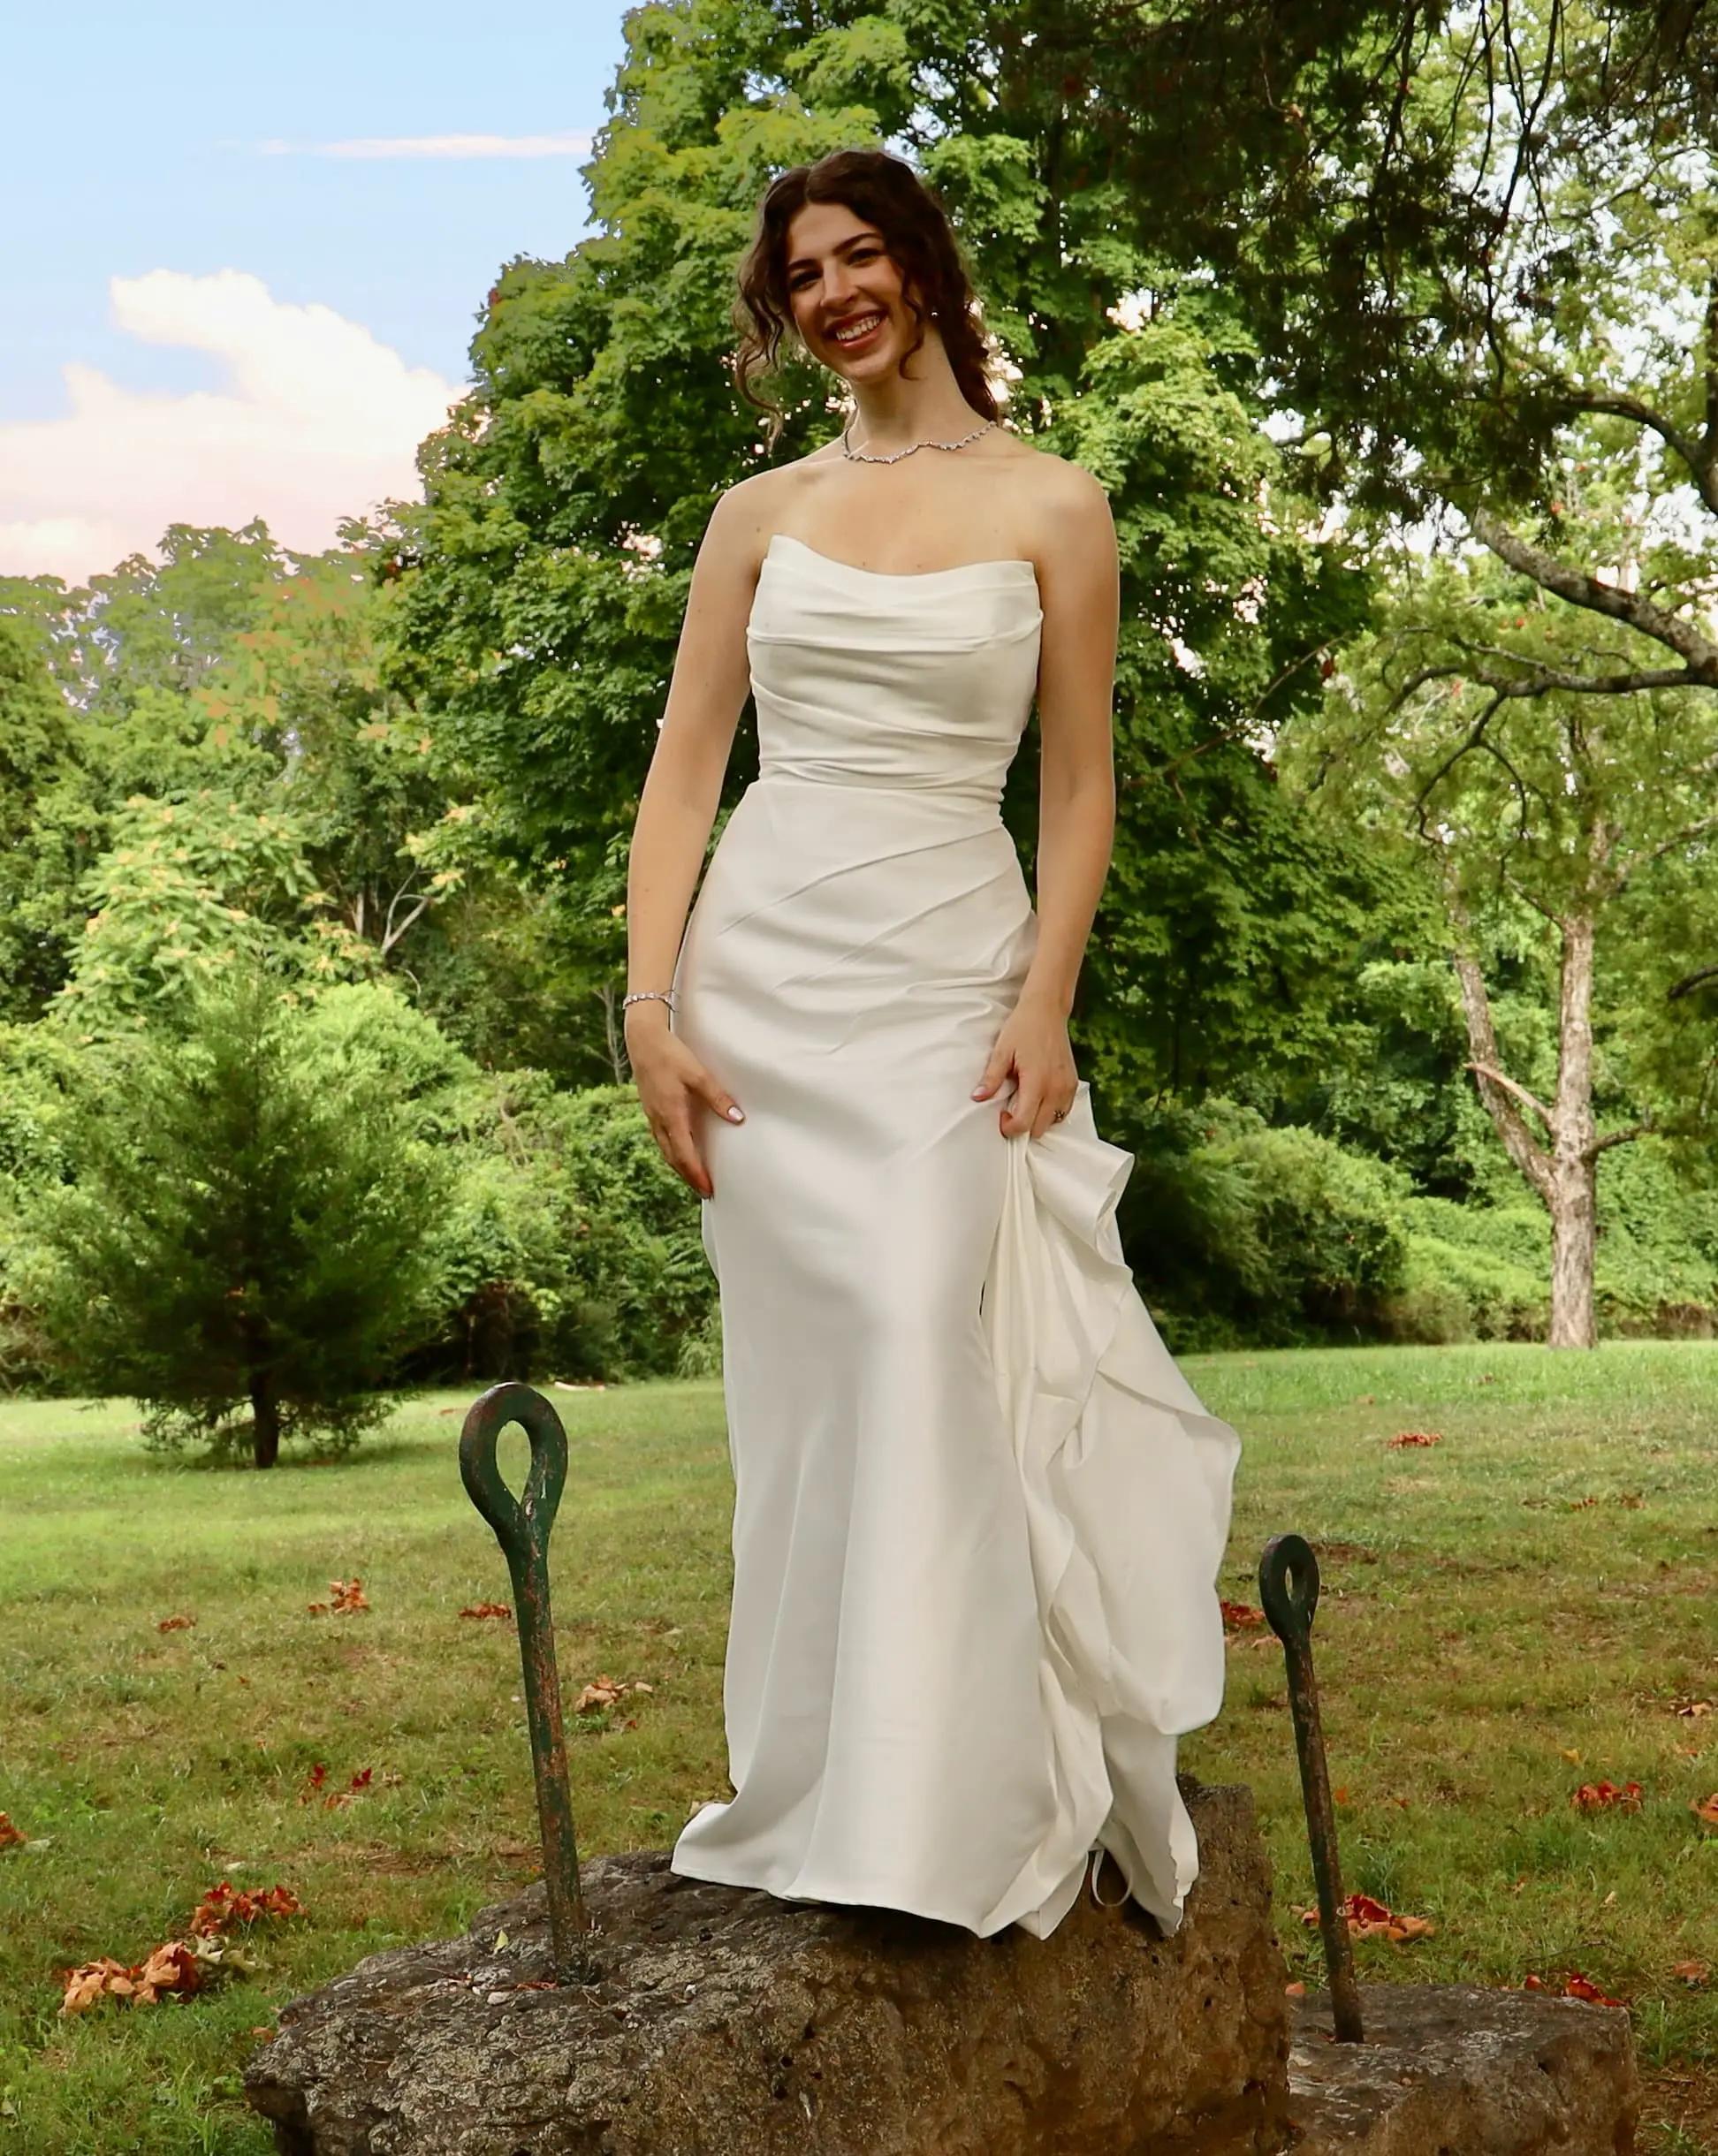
<point>717,2021</point>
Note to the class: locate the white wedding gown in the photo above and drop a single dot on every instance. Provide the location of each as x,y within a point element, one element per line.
<point>979,1512</point>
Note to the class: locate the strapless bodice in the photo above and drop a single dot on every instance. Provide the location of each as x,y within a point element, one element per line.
<point>867,678</point>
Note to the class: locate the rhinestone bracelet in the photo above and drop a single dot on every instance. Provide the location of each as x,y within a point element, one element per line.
<point>645,995</point>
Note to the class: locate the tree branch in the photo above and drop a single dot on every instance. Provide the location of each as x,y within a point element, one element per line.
<point>1697,455</point>
<point>1580,589</point>
<point>1485,1070</point>
<point>1618,1138</point>
<point>1690,981</point>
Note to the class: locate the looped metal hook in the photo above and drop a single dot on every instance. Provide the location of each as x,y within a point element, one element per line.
<point>1288,1589</point>
<point>1289,1586</point>
<point>521,1524</point>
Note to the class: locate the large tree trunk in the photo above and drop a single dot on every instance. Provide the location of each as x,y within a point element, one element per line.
<point>1563,1168</point>
<point>1574,1241</point>
<point>265,1419</point>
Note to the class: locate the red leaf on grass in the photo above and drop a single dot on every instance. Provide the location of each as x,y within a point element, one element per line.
<point>223,1906</point>
<point>1576,1986</point>
<point>1238,1616</point>
<point>10,1837</point>
<point>1605,1795</point>
<point>1413,1437</point>
<point>487,1609</point>
<point>175,1624</point>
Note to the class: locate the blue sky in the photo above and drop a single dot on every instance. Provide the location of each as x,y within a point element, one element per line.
<point>258,241</point>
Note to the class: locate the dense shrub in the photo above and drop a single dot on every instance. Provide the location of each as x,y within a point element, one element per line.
<point>577,1250</point>
<point>1472,1272</point>
<point>37,1065</point>
<point>1657,1271</point>
<point>1238,1230</point>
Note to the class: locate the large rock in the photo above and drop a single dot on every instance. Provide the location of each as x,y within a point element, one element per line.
<point>719,2019</point>
<point>1456,2070</point>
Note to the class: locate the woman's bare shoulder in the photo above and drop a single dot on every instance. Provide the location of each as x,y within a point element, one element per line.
<point>1064,505</point>
<point>747,512</point>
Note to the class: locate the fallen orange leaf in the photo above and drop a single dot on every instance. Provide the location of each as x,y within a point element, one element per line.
<point>603,1691</point>
<point>1367,1919</point>
<point>176,1624</point>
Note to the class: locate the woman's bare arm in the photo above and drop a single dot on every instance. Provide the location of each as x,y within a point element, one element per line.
<point>676,811</point>
<point>1080,583</point>
<point>706,694</point>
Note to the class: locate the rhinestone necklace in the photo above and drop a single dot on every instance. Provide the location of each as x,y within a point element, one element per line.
<point>861,456</point>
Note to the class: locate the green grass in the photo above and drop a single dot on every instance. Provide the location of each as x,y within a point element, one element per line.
<point>1478,1626</point>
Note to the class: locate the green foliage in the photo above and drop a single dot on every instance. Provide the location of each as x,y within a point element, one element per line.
<point>251,1227</point>
<point>39,1066</point>
<point>188,890</point>
<point>1472,1272</point>
<point>45,825</point>
<point>1237,1229</point>
<point>1657,1255</point>
<point>572,1250</point>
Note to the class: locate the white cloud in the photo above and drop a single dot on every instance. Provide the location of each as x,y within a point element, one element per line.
<point>315,420</point>
<point>437,146</point>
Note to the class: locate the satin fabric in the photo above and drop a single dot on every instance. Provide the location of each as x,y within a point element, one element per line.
<point>978,1511</point>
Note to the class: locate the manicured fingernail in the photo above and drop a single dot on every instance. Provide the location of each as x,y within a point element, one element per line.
<point>735,1115</point>
<point>978,1092</point>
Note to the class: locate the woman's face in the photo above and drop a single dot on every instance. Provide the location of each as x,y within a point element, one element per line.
<point>845,291</point>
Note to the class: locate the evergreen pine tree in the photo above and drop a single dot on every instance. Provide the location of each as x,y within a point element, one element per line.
<point>248,1228</point>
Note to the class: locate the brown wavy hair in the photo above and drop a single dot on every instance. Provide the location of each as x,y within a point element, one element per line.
<point>887,193</point>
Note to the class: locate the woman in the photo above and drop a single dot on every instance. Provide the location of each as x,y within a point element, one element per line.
<point>978,1514</point>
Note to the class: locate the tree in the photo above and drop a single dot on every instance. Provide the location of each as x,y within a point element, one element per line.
<point>247,1228</point>
<point>1568,826</point>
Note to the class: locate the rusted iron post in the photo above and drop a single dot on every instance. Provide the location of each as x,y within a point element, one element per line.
<point>522,1527</point>
<point>1288,1591</point>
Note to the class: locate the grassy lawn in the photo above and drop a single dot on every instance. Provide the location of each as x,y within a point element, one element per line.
<point>1505,1615</point>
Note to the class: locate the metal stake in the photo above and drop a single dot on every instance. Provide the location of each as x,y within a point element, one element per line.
<point>523,1529</point>
<point>1288,1590</point>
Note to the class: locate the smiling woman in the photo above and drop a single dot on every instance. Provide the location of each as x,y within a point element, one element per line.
<point>978,1511</point>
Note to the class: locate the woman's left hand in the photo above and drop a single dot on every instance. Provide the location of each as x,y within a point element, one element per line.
<point>1033,1044</point>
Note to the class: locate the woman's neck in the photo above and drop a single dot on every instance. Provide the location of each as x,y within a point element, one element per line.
<point>894,413</point>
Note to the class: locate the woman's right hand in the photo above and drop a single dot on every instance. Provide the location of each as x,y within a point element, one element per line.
<point>671,1081</point>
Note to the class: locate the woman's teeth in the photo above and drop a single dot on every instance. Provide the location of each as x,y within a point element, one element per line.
<point>851,331</point>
